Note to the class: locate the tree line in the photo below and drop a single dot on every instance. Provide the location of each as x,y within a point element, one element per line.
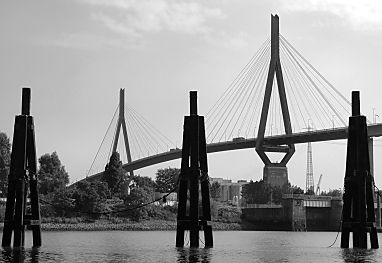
<point>116,191</point>
<point>259,192</point>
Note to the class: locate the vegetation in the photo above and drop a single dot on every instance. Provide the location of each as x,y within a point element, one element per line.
<point>334,193</point>
<point>5,160</point>
<point>117,199</point>
<point>123,199</point>
<point>260,192</point>
<point>117,195</point>
<point>215,191</point>
<point>51,174</point>
<point>167,180</point>
<point>90,198</point>
<point>114,174</point>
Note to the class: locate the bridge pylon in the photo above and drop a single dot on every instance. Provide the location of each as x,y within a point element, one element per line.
<point>194,170</point>
<point>358,199</point>
<point>274,173</point>
<point>122,123</point>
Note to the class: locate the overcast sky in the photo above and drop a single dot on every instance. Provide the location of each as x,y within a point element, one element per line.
<point>77,54</point>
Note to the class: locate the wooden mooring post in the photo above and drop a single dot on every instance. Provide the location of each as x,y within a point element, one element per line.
<point>358,200</point>
<point>22,182</point>
<point>194,170</point>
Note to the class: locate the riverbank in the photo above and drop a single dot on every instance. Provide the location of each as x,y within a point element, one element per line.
<point>147,225</point>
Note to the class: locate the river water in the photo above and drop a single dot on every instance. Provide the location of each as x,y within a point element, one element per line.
<point>159,246</point>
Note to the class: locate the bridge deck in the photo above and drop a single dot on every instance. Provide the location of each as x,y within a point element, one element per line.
<point>374,130</point>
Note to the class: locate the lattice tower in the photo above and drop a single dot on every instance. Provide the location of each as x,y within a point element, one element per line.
<point>309,170</point>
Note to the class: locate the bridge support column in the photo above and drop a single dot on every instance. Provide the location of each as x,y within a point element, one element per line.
<point>22,171</point>
<point>273,170</point>
<point>194,170</point>
<point>275,174</point>
<point>358,208</point>
<point>122,123</point>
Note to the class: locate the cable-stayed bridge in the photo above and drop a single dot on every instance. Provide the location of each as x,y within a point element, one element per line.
<point>269,106</point>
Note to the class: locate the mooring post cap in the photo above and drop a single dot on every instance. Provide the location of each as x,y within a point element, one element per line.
<point>25,101</point>
<point>355,103</point>
<point>193,102</point>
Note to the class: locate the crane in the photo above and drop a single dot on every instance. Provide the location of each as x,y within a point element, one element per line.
<point>318,185</point>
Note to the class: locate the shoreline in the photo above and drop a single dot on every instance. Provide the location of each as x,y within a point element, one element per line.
<point>149,225</point>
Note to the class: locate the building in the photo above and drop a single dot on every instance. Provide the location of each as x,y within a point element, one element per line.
<point>229,192</point>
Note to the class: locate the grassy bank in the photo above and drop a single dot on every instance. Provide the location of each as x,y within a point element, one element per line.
<point>147,225</point>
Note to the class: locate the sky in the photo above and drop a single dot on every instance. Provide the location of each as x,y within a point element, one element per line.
<point>75,55</point>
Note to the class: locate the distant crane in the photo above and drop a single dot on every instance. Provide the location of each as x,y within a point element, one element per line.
<point>318,185</point>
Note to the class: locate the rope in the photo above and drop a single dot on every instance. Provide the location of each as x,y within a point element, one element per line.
<point>335,240</point>
<point>378,193</point>
<point>201,241</point>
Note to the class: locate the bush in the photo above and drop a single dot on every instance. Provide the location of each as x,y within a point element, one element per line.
<point>47,210</point>
<point>2,213</point>
<point>90,198</point>
<point>229,214</point>
<point>138,197</point>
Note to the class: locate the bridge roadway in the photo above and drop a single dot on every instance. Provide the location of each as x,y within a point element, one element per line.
<point>374,130</point>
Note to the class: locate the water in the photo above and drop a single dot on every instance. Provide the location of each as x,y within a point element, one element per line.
<point>157,246</point>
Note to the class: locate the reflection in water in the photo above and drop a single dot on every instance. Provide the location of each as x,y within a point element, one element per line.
<point>359,255</point>
<point>194,255</point>
<point>19,255</point>
<point>158,246</point>
<point>33,255</point>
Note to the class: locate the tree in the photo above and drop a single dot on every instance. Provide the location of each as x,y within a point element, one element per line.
<point>143,181</point>
<point>62,202</point>
<point>334,192</point>
<point>167,179</point>
<point>114,174</point>
<point>5,160</point>
<point>294,189</point>
<point>310,192</point>
<point>90,197</point>
<point>215,190</point>
<point>256,192</point>
<point>138,196</point>
<point>51,174</point>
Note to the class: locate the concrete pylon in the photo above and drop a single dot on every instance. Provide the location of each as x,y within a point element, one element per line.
<point>122,123</point>
<point>275,174</point>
